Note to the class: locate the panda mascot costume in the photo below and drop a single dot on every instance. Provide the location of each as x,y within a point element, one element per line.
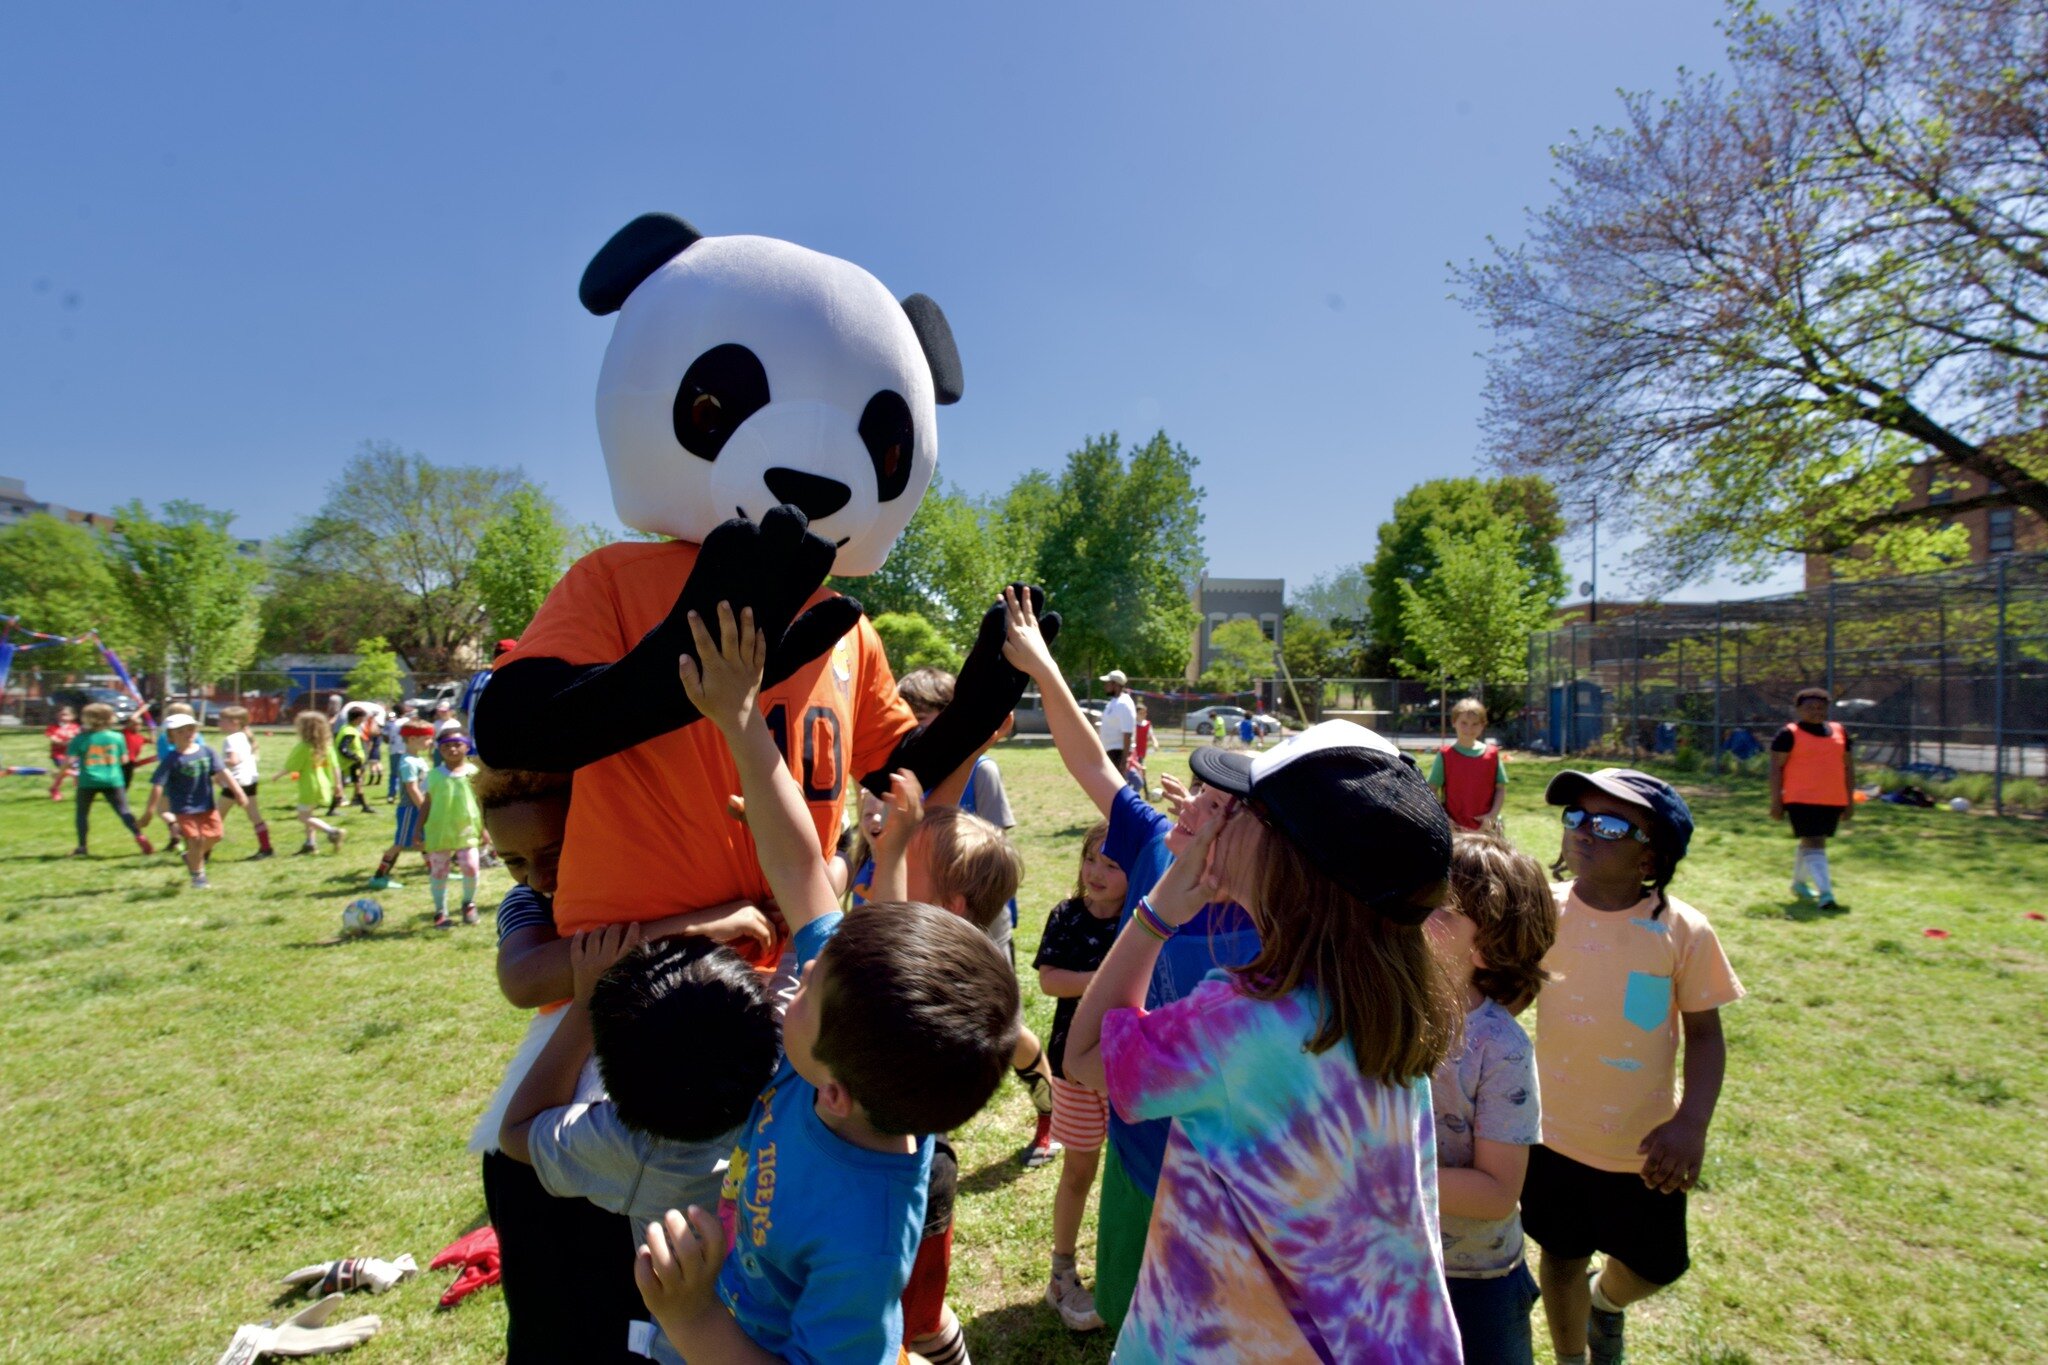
<point>769,411</point>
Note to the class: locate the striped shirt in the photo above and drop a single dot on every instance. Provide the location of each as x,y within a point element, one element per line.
<point>525,908</point>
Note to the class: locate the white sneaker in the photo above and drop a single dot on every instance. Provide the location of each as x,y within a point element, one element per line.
<point>1074,1304</point>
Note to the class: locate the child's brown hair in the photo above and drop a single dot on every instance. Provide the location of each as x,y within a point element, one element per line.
<point>238,714</point>
<point>969,858</point>
<point>97,716</point>
<point>926,689</point>
<point>1506,895</point>
<point>1090,843</point>
<point>1468,706</point>
<point>315,733</point>
<point>496,788</point>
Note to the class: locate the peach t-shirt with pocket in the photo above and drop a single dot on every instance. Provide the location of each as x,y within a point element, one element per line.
<point>1607,1025</point>
<point>649,834</point>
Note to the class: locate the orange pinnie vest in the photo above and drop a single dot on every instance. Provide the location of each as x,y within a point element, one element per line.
<point>1815,773</point>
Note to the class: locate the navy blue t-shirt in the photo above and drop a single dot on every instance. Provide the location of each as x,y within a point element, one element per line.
<point>187,779</point>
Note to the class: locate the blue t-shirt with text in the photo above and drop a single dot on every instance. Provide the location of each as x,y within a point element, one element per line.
<point>825,1232</point>
<point>187,779</point>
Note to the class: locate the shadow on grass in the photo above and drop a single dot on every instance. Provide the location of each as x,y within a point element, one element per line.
<point>996,1176</point>
<point>1031,1332</point>
<point>1797,911</point>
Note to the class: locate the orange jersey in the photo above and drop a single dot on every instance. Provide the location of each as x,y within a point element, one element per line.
<point>649,834</point>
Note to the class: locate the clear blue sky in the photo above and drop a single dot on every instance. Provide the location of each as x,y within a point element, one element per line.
<point>237,240</point>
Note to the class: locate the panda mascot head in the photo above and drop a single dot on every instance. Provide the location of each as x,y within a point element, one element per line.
<point>745,372</point>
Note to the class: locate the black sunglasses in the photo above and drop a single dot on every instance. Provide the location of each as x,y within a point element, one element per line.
<point>1610,828</point>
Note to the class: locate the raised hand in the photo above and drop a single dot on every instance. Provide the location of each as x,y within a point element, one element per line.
<point>723,680</point>
<point>677,1270</point>
<point>773,567</point>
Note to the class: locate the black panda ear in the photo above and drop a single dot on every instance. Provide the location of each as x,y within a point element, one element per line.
<point>935,335</point>
<point>635,251</point>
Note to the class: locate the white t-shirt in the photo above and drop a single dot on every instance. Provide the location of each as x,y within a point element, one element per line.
<point>239,753</point>
<point>1119,721</point>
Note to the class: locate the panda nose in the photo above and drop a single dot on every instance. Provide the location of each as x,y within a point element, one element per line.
<point>816,497</point>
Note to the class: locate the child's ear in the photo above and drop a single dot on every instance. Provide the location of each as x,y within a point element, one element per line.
<point>836,1100</point>
<point>957,905</point>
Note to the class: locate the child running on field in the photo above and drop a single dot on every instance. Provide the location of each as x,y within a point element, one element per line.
<point>1632,970</point>
<point>1078,935</point>
<point>312,761</point>
<point>1469,775</point>
<point>238,753</point>
<point>1296,1207</point>
<point>60,732</point>
<point>410,769</point>
<point>902,1025</point>
<point>451,824</point>
<point>353,751</point>
<point>184,782</point>
<point>1491,938</point>
<point>94,754</point>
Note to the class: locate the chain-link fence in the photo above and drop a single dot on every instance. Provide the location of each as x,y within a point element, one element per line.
<point>1403,708</point>
<point>1934,675</point>
<point>31,696</point>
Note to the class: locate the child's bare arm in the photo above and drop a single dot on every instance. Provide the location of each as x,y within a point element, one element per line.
<point>1491,1187</point>
<point>1080,747</point>
<point>1674,1150</point>
<point>892,845</point>
<point>551,1082</point>
<point>1062,984</point>
<point>723,682</point>
<point>533,962</point>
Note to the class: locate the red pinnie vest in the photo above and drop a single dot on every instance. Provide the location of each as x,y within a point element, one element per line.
<point>1468,784</point>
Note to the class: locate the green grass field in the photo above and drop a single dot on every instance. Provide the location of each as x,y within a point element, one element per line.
<point>204,1090</point>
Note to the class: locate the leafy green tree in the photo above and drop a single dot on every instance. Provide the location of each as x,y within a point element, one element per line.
<point>189,590</point>
<point>1759,303</point>
<point>1457,509</point>
<point>1342,600</point>
<point>1238,652</point>
<point>376,676</point>
<point>54,576</point>
<point>1470,620</point>
<point>1120,546</point>
<point>1314,649</point>
<point>398,529</point>
<point>519,559</point>
<point>912,642</point>
<point>943,569</point>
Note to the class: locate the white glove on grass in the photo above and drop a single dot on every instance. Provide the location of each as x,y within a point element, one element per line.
<point>356,1272</point>
<point>305,1333</point>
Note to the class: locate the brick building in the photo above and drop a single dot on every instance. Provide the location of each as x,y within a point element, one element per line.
<point>1993,531</point>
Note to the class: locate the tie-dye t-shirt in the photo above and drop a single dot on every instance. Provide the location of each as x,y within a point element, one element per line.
<point>1297,1214</point>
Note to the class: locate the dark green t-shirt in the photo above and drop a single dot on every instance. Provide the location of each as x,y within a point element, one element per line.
<point>99,754</point>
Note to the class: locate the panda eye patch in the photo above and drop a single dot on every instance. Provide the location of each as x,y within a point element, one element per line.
<point>722,388</point>
<point>887,432</point>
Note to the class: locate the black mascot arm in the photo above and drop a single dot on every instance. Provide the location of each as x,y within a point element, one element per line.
<point>988,689</point>
<point>552,716</point>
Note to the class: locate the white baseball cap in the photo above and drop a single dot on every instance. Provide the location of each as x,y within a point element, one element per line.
<point>176,722</point>
<point>1115,675</point>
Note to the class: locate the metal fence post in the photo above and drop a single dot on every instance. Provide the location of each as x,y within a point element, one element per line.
<point>1831,642</point>
<point>1717,689</point>
<point>1635,690</point>
<point>1998,703</point>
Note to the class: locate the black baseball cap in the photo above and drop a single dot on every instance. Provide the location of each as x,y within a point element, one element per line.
<point>1653,794</point>
<point>1810,694</point>
<point>1352,803</point>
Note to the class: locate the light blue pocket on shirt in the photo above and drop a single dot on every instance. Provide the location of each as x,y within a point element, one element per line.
<point>1648,1002</point>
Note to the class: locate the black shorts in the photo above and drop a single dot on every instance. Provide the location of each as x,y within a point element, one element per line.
<point>567,1268</point>
<point>1813,822</point>
<point>1572,1210</point>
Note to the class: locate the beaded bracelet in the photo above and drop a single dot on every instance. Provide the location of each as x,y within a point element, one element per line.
<point>1154,923</point>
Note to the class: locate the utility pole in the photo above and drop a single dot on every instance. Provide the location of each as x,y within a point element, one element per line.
<point>1593,599</point>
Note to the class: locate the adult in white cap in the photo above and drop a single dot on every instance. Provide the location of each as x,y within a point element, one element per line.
<point>1119,719</point>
